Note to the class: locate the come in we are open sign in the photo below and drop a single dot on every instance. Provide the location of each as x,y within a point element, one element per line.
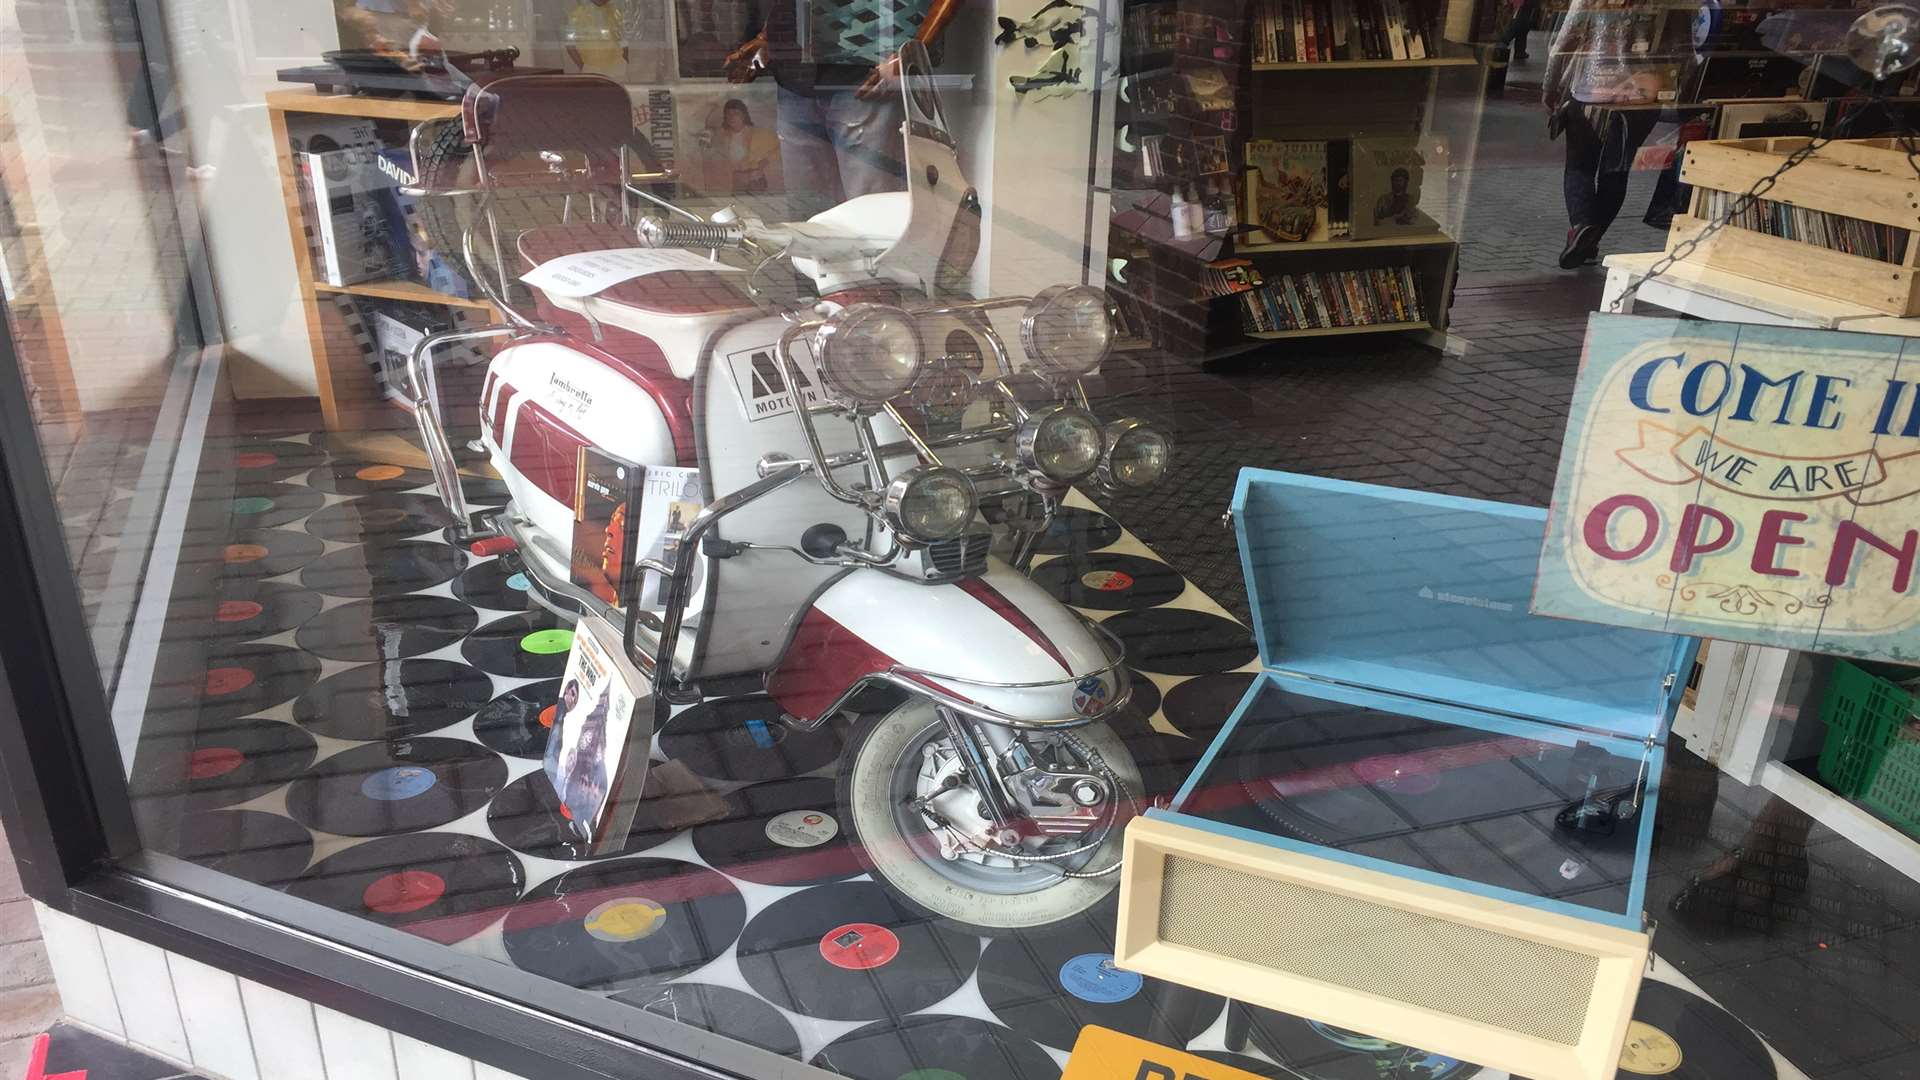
<point>1747,483</point>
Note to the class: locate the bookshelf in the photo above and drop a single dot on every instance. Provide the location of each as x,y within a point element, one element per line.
<point>1346,96</point>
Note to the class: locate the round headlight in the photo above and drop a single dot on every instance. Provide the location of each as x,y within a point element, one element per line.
<point>1067,329</point>
<point>868,353</point>
<point>1137,456</point>
<point>930,503</point>
<point>1063,443</point>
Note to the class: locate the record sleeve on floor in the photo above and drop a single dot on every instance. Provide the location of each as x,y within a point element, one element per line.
<point>1324,1052</point>
<point>396,699</point>
<point>366,478</point>
<point>267,505</point>
<point>624,923</point>
<point>935,1046</point>
<point>387,628</point>
<point>719,1009</point>
<point>1075,529</point>
<point>261,553</point>
<point>1106,581</point>
<point>242,679</point>
<point>1051,982</point>
<point>518,722</point>
<point>222,763</point>
<point>498,584</point>
<point>382,569</point>
<point>444,887</point>
<point>1179,641</point>
<point>266,849</point>
<point>783,832</point>
<point>851,952</point>
<point>403,786</point>
<point>244,610</point>
<point>743,738</point>
<point>529,818</point>
<point>531,645</point>
<point>387,516</point>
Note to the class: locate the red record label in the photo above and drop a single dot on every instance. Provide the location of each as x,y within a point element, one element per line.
<point>547,715</point>
<point>403,892</point>
<point>244,553</point>
<point>238,611</point>
<point>222,681</point>
<point>859,946</point>
<point>213,761</point>
<point>258,459</point>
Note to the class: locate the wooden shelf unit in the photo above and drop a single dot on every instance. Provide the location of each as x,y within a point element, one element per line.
<point>349,397</point>
<point>1336,65</point>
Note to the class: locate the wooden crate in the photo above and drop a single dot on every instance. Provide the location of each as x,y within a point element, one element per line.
<point>1868,179</point>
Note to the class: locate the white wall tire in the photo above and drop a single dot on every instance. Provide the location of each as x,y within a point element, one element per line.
<point>866,807</point>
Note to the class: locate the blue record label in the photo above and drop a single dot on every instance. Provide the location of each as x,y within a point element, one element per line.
<point>399,782</point>
<point>519,583</point>
<point>1092,977</point>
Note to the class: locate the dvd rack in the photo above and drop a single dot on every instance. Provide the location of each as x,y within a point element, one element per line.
<point>1835,232</point>
<point>1333,299</point>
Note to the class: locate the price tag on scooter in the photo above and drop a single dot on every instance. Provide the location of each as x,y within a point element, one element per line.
<point>586,273</point>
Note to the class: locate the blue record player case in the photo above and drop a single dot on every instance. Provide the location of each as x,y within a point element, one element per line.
<point>1424,778</point>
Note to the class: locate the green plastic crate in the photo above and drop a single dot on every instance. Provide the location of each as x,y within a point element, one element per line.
<point>1895,792</point>
<point>1864,713</point>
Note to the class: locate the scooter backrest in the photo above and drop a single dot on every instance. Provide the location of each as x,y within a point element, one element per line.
<point>561,133</point>
<point>943,215</point>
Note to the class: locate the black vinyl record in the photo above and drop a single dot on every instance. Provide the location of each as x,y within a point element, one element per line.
<point>221,763</point>
<point>1324,1052</point>
<point>1201,705</point>
<point>1684,1036</point>
<point>531,645</point>
<point>719,1009</point>
<point>267,505</point>
<point>520,721</point>
<point>529,818</point>
<point>852,952</point>
<point>403,786</point>
<point>385,516</point>
<point>1077,530</point>
<point>268,460</point>
<point>497,584</point>
<point>743,738</point>
<point>266,849</point>
<point>387,628</point>
<point>260,553</point>
<point>1137,718</point>
<point>1247,1064</point>
<point>242,679</point>
<point>394,699</point>
<point>1179,641</point>
<point>444,887</point>
<point>624,923</point>
<point>366,478</point>
<point>1106,581</point>
<point>784,832</point>
<point>946,1047</point>
<point>256,609</point>
<point>1050,983</point>
<point>384,569</point>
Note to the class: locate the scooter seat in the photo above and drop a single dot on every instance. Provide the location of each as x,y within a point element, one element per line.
<point>672,293</point>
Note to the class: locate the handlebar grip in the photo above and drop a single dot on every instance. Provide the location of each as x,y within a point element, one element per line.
<point>687,234</point>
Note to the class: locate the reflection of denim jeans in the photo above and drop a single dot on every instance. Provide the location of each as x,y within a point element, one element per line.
<point>1599,163</point>
<point>834,146</point>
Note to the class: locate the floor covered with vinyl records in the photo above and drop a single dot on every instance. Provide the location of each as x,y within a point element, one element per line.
<point>366,731</point>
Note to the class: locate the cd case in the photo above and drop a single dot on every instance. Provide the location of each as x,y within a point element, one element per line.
<point>1421,770</point>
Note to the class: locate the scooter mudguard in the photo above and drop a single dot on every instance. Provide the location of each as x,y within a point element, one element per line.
<point>977,640</point>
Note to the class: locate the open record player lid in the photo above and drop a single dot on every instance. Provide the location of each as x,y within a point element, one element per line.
<point>1427,595</point>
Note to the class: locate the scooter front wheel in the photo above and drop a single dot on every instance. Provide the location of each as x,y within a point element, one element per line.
<point>892,763</point>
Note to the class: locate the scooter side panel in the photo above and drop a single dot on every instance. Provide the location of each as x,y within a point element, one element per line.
<point>748,412</point>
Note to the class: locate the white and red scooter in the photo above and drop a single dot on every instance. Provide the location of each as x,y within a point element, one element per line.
<point>860,449</point>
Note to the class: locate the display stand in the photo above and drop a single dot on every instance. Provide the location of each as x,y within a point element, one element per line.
<point>1706,293</point>
<point>1433,102</point>
<point>349,398</point>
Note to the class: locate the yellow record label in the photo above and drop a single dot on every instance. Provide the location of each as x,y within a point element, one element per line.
<point>1649,1051</point>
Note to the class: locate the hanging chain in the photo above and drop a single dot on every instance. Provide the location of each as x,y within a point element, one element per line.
<point>1745,202</point>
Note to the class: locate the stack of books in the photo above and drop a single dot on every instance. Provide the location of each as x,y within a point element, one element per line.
<point>1321,31</point>
<point>1328,298</point>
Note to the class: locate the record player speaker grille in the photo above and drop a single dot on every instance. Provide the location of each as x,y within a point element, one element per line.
<point>1527,987</point>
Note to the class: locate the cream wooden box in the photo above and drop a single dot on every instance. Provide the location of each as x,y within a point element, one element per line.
<point>1868,179</point>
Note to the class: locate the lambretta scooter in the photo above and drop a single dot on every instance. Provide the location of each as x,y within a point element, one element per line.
<point>857,481</point>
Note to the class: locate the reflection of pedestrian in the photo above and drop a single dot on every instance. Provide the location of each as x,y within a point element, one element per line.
<point>1525,14</point>
<point>1605,104</point>
<point>596,39</point>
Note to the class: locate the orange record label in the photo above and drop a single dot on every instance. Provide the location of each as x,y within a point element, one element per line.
<point>1100,1054</point>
